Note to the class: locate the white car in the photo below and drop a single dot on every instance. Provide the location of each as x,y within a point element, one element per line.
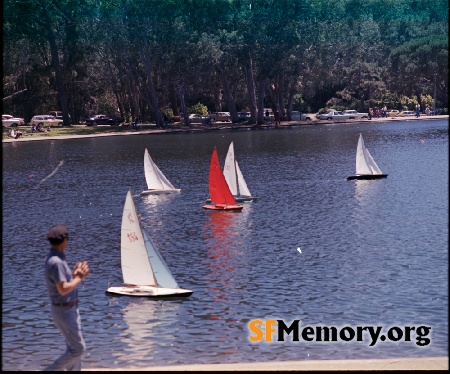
<point>8,120</point>
<point>197,118</point>
<point>356,113</point>
<point>335,114</point>
<point>299,116</point>
<point>407,113</point>
<point>45,120</point>
<point>392,112</point>
<point>221,116</point>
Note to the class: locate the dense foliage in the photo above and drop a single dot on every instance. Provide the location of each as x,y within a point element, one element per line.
<point>147,57</point>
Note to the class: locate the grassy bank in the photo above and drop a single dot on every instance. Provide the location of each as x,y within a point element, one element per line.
<point>73,130</point>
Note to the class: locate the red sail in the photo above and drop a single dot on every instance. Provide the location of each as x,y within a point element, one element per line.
<point>219,191</point>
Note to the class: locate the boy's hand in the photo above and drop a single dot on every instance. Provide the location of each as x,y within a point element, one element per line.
<point>81,269</point>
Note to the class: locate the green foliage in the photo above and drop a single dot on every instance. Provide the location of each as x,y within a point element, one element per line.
<point>340,53</point>
<point>426,100</point>
<point>199,108</point>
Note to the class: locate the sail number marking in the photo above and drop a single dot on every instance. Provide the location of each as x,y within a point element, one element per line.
<point>132,237</point>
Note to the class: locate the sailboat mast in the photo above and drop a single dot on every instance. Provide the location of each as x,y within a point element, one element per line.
<point>236,175</point>
<point>235,169</point>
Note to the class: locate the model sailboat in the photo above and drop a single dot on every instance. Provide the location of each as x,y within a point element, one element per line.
<point>219,192</point>
<point>234,177</point>
<point>366,167</point>
<point>157,183</point>
<point>143,269</point>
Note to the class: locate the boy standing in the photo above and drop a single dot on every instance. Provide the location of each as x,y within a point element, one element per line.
<point>62,286</point>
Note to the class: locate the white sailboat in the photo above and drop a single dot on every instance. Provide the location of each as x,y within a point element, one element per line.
<point>157,182</point>
<point>234,177</point>
<point>143,269</point>
<point>366,167</point>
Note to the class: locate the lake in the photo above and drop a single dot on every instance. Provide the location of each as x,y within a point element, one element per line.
<point>373,253</point>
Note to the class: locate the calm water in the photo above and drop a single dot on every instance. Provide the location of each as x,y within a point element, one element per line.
<point>373,252</point>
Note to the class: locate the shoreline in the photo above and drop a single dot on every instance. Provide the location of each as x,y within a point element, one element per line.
<point>221,127</point>
<point>409,364</point>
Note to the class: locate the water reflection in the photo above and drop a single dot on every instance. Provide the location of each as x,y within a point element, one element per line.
<point>145,320</point>
<point>366,191</point>
<point>220,239</point>
<point>153,203</point>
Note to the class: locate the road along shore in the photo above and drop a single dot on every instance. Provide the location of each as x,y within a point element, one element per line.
<point>218,127</point>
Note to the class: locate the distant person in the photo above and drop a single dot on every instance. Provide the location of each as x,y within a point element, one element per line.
<point>267,115</point>
<point>15,134</point>
<point>135,123</point>
<point>417,110</point>
<point>276,115</point>
<point>62,286</point>
<point>427,111</point>
<point>166,121</point>
<point>370,113</point>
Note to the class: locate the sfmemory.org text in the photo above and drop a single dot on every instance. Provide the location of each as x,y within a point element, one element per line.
<point>274,330</point>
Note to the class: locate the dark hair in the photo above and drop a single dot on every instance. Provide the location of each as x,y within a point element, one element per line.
<point>57,234</point>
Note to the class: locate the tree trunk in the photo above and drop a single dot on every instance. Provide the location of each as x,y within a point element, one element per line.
<point>229,97</point>
<point>173,100</point>
<point>272,95</point>
<point>184,108</point>
<point>280,96</point>
<point>218,99</point>
<point>261,96</point>
<point>251,89</point>
<point>151,86</point>
<point>290,104</point>
<point>58,71</point>
<point>419,100</point>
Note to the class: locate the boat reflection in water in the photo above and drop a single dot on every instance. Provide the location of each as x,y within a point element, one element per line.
<point>146,320</point>
<point>227,251</point>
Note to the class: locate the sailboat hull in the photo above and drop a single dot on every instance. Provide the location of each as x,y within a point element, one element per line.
<point>245,198</point>
<point>240,199</point>
<point>149,291</point>
<point>223,207</point>
<point>367,176</point>
<point>159,192</point>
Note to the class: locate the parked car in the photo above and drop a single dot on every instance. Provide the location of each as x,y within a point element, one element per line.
<point>198,118</point>
<point>45,120</point>
<point>221,116</point>
<point>299,116</point>
<point>8,120</point>
<point>173,119</point>
<point>57,114</point>
<point>103,119</point>
<point>392,112</point>
<point>356,113</point>
<point>244,116</point>
<point>404,113</point>
<point>335,114</point>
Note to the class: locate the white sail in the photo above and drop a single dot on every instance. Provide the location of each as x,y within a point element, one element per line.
<point>229,171</point>
<point>162,273</point>
<point>365,164</point>
<point>233,175</point>
<point>155,179</point>
<point>243,189</point>
<point>136,267</point>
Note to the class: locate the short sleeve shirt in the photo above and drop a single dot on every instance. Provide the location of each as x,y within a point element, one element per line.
<point>57,270</point>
